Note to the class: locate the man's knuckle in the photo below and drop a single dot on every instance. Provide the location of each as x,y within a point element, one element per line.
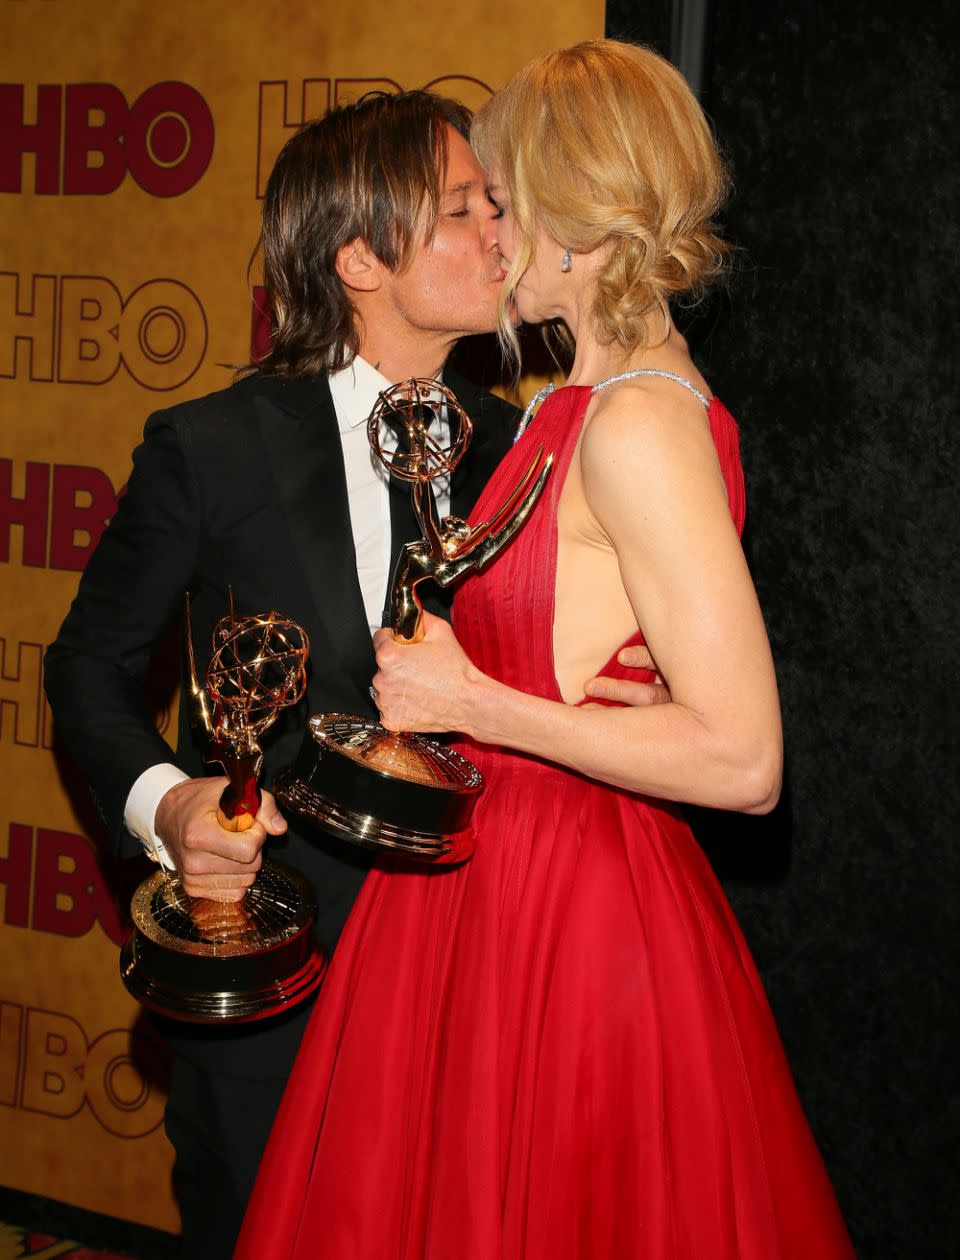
<point>191,836</point>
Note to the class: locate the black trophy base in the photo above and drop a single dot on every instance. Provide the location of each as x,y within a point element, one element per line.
<point>206,962</point>
<point>399,794</point>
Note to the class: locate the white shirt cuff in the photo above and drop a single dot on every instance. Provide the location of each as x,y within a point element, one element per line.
<point>141,809</point>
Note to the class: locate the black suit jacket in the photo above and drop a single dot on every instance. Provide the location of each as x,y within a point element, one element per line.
<point>244,488</point>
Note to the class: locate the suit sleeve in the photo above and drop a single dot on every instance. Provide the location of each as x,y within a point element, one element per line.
<point>130,591</point>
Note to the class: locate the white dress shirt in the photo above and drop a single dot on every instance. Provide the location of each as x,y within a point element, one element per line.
<point>355,391</point>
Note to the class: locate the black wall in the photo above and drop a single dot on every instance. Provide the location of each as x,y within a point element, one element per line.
<point>836,348</point>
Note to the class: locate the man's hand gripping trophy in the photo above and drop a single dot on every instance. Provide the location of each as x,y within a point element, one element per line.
<point>202,959</point>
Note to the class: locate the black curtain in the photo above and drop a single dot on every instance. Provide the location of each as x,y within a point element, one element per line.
<point>835,347</point>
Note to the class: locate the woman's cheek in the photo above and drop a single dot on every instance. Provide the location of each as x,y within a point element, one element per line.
<point>505,235</point>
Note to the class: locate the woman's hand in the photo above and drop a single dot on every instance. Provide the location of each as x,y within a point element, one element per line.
<point>424,686</point>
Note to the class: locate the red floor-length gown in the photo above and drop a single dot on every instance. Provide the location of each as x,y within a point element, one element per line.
<point>560,1050</point>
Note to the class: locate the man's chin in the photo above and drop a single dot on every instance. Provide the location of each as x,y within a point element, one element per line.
<point>488,320</point>
<point>513,314</point>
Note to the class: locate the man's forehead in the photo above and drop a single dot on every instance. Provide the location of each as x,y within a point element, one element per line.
<point>463,171</point>
<point>462,186</point>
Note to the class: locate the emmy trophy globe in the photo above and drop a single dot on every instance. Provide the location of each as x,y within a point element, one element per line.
<point>404,793</point>
<point>207,961</point>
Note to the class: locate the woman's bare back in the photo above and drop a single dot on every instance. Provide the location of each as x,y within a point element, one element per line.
<point>593,615</point>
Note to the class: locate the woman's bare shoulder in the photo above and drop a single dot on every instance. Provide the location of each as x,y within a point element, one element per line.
<point>643,420</point>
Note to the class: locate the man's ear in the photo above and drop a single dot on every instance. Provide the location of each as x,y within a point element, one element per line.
<point>358,266</point>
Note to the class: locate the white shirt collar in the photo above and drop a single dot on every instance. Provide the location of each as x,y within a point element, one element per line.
<point>355,390</point>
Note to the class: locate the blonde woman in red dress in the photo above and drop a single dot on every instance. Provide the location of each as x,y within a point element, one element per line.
<point>561,1050</point>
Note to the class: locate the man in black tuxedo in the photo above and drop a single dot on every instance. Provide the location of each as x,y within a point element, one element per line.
<point>379,254</point>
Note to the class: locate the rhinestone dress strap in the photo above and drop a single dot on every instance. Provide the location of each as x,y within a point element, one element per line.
<point>532,405</point>
<point>669,376</point>
<point>547,390</point>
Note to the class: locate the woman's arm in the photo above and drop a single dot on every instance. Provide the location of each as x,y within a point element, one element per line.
<point>652,481</point>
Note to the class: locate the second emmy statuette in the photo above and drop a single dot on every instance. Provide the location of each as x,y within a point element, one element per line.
<point>207,961</point>
<point>404,793</point>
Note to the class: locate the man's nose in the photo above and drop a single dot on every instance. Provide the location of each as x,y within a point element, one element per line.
<point>489,231</point>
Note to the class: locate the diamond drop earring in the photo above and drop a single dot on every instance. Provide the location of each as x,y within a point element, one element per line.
<point>567,261</point>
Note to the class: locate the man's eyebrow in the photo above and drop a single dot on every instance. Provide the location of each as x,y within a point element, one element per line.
<point>465,186</point>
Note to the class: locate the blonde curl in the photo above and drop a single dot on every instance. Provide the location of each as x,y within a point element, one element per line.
<point>605,146</point>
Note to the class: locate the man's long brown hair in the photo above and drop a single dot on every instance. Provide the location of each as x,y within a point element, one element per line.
<point>371,170</point>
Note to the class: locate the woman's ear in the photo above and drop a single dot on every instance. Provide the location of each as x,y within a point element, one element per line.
<point>358,267</point>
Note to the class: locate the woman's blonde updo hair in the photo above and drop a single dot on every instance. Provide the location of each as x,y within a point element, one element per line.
<point>605,142</point>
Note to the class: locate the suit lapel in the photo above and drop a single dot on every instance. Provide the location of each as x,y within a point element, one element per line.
<point>298,425</point>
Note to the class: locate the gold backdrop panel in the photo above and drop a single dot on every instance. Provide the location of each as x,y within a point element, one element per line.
<point>134,140</point>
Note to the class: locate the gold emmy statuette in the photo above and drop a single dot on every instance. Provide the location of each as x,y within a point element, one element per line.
<point>404,793</point>
<point>214,962</point>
